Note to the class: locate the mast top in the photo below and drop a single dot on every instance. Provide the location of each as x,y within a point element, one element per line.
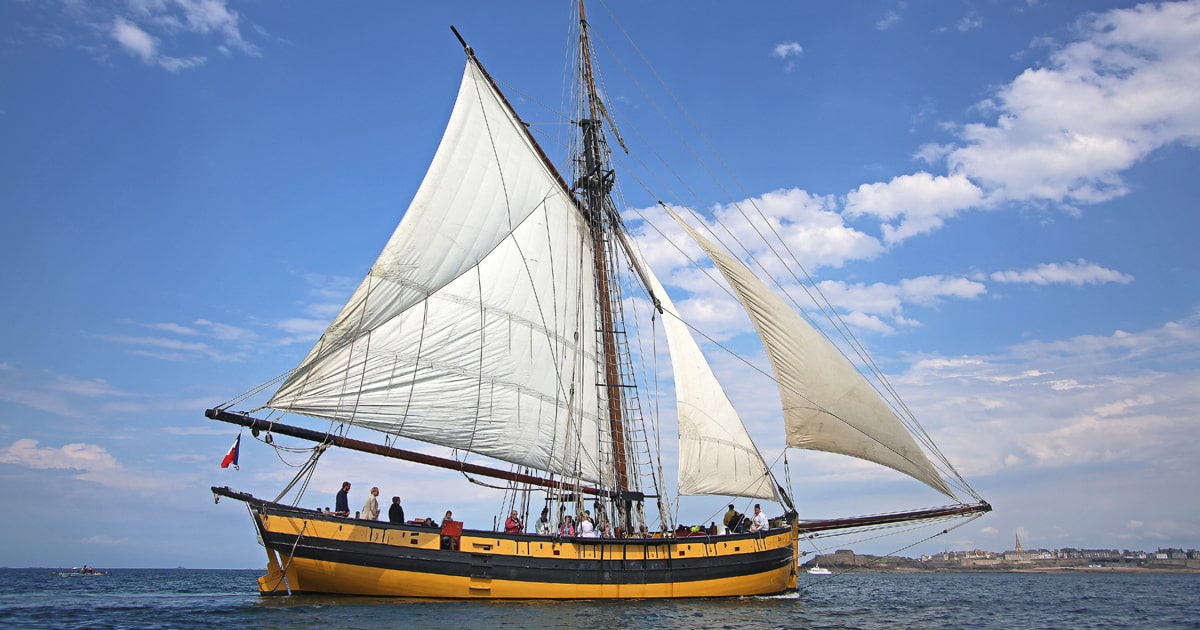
<point>467,49</point>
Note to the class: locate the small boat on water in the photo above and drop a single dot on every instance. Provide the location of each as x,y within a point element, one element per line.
<point>817,570</point>
<point>86,571</point>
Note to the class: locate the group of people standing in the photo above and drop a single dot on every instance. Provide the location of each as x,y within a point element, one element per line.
<point>370,510</point>
<point>737,523</point>
<point>583,526</point>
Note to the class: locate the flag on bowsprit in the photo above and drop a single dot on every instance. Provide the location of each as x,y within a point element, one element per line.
<point>232,456</point>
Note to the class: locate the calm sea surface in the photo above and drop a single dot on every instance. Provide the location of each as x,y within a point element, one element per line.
<point>179,598</point>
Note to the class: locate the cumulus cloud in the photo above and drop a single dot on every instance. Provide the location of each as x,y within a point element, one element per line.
<point>1140,413</point>
<point>174,35</point>
<point>1062,132</point>
<point>921,202</point>
<point>867,303</point>
<point>93,462</point>
<point>788,51</point>
<point>1077,273</point>
<point>134,40</point>
<point>1065,131</point>
<point>78,456</point>
<point>809,227</point>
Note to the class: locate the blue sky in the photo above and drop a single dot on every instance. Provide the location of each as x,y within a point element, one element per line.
<point>999,196</point>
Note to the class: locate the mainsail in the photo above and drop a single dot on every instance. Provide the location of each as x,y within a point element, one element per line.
<point>475,328</point>
<point>827,404</point>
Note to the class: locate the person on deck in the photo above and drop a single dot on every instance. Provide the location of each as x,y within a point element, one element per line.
<point>732,519</point>
<point>370,511</point>
<point>448,542</point>
<point>587,529</point>
<point>760,524</point>
<point>396,513</point>
<point>342,502</point>
<point>513,524</point>
<point>543,526</point>
<point>568,526</point>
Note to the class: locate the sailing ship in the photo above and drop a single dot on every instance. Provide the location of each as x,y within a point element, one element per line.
<point>498,322</point>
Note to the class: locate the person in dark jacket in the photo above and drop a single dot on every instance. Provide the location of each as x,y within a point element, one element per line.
<point>732,519</point>
<point>396,513</point>
<point>342,501</point>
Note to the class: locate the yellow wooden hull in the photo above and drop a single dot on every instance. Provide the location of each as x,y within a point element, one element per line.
<point>311,552</point>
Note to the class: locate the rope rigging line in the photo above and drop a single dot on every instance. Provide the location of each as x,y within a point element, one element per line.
<point>253,392</point>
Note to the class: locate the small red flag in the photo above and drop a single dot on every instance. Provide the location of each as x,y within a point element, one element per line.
<point>232,456</point>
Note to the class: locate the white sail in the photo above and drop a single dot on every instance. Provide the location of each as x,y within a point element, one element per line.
<point>716,454</point>
<point>827,404</point>
<point>475,327</point>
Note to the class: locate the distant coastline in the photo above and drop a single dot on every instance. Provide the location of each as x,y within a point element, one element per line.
<point>1042,561</point>
<point>891,568</point>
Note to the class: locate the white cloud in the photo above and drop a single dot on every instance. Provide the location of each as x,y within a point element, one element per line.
<point>920,201</point>
<point>787,49</point>
<point>154,31</point>
<point>881,299</point>
<point>103,540</point>
<point>301,330</point>
<point>969,22</point>
<point>931,289</point>
<point>1087,411</point>
<point>134,40</point>
<point>809,226</point>
<point>890,19</point>
<point>61,395</point>
<point>87,457</point>
<point>1077,273</point>
<point>1065,131</point>
<point>1062,132</point>
<point>95,464</point>
<point>145,46</point>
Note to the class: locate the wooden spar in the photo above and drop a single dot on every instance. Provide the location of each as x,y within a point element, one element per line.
<point>894,517</point>
<point>256,424</point>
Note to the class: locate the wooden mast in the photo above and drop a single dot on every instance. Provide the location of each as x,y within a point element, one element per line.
<point>595,183</point>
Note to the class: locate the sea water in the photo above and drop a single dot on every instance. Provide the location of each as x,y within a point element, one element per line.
<point>183,598</point>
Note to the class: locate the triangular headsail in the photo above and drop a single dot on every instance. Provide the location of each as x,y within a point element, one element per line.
<point>716,454</point>
<point>827,404</point>
<point>457,335</point>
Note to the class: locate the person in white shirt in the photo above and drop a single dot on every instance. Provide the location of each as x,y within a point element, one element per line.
<point>760,523</point>
<point>543,523</point>
<point>370,511</point>
<point>587,529</point>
